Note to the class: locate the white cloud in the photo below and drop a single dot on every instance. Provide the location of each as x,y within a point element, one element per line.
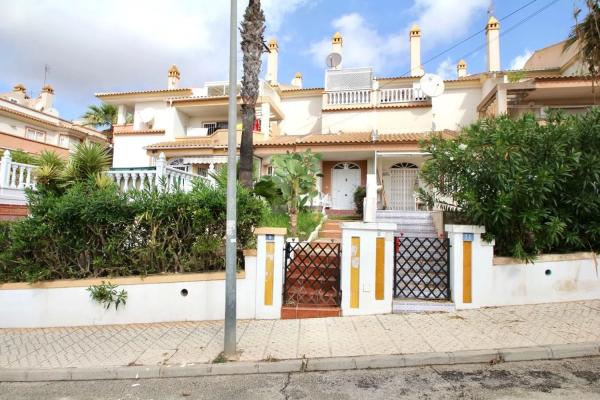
<point>519,61</point>
<point>446,69</point>
<point>441,21</point>
<point>119,45</point>
<point>363,45</point>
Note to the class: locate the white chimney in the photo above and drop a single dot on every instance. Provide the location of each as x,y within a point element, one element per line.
<point>46,98</point>
<point>173,80</point>
<point>416,69</point>
<point>337,42</point>
<point>493,44</point>
<point>461,68</point>
<point>272,62</point>
<point>297,81</point>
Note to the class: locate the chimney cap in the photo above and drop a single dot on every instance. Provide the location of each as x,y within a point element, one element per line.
<point>19,87</point>
<point>337,38</point>
<point>493,23</point>
<point>462,64</point>
<point>415,30</point>
<point>174,72</point>
<point>298,75</point>
<point>48,89</point>
<point>273,44</point>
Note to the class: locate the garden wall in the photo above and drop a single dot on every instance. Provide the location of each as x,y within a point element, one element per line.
<point>499,281</point>
<point>157,298</point>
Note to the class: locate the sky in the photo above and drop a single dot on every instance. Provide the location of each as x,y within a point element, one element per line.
<point>120,45</point>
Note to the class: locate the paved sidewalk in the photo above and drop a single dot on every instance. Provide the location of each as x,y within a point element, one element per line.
<point>183,343</point>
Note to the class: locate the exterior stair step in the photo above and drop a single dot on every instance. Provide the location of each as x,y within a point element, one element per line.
<point>416,306</point>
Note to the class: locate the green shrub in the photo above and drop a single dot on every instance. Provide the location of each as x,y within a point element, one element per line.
<point>359,196</point>
<point>307,221</point>
<point>534,186</point>
<point>91,231</point>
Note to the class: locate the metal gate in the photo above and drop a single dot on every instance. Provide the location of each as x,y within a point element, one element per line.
<point>312,274</point>
<point>422,268</point>
<point>403,180</point>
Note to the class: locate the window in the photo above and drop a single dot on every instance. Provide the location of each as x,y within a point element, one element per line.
<point>35,134</point>
<point>346,166</point>
<point>211,126</point>
<point>270,170</point>
<point>404,165</point>
<point>51,137</point>
<point>63,141</point>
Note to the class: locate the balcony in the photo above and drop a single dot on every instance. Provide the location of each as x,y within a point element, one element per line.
<point>375,97</point>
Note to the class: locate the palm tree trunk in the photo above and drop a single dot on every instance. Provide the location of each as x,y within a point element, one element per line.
<point>246,149</point>
<point>252,29</point>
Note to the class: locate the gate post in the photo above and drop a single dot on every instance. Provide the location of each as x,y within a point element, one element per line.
<point>470,265</point>
<point>367,270</point>
<point>270,266</point>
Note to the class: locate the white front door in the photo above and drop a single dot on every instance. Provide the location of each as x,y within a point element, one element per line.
<point>403,182</point>
<point>345,178</point>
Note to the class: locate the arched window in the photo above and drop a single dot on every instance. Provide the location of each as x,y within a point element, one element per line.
<point>404,165</point>
<point>346,165</point>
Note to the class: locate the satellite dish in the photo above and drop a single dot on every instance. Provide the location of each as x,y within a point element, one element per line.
<point>432,85</point>
<point>333,60</point>
<point>147,115</point>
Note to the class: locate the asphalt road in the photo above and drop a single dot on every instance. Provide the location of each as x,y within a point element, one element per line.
<point>571,379</point>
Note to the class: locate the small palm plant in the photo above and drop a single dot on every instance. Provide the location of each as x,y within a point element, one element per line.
<point>296,176</point>
<point>88,163</point>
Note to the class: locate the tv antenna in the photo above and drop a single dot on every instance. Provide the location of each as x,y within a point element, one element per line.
<point>46,72</point>
<point>333,60</point>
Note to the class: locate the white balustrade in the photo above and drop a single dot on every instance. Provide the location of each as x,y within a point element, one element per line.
<point>14,175</point>
<point>348,97</point>
<point>401,95</point>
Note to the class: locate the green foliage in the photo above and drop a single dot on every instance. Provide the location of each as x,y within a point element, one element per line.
<point>359,195</point>
<point>515,76</point>
<point>103,115</point>
<point>587,36</point>
<point>535,187</point>
<point>296,178</point>
<point>307,221</point>
<point>107,295</point>
<point>92,231</point>
<point>86,165</point>
<point>22,157</point>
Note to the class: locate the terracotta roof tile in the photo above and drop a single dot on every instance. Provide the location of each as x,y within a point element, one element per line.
<point>219,140</point>
<point>128,130</point>
<point>152,91</point>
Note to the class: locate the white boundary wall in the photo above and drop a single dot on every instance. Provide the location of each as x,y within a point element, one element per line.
<point>505,281</point>
<point>24,306</point>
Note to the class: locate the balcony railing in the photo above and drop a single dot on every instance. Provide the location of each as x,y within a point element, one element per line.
<point>383,96</point>
<point>349,97</point>
<point>160,176</point>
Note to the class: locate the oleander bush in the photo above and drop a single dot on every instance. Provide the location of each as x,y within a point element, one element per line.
<point>93,230</point>
<point>535,186</point>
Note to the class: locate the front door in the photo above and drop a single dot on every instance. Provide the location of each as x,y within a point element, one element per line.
<point>345,179</point>
<point>403,182</point>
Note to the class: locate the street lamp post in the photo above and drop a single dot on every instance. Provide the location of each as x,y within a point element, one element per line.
<point>231,233</point>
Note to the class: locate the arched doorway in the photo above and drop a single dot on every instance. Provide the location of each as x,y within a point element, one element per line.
<point>403,182</point>
<point>345,178</point>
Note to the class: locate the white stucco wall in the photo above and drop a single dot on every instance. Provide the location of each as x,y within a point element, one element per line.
<point>158,109</point>
<point>302,115</point>
<point>456,108</point>
<point>402,120</point>
<point>17,128</point>
<point>146,303</point>
<point>129,150</point>
<point>552,278</point>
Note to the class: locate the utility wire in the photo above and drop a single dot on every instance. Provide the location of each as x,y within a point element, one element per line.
<point>502,33</point>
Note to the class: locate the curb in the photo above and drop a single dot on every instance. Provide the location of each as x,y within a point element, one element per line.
<point>551,352</point>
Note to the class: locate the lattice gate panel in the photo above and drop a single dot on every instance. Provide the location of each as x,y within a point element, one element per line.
<point>422,268</point>
<point>312,274</point>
